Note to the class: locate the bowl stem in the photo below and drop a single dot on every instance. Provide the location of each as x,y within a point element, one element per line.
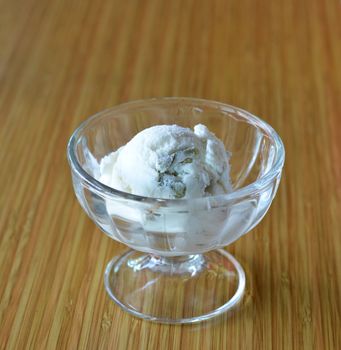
<point>182,289</point>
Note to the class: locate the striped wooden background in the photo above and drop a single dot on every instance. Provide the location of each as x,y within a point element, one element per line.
<point>63,60</point>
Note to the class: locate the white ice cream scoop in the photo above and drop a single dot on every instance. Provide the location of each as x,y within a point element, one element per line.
<point>169,161</point>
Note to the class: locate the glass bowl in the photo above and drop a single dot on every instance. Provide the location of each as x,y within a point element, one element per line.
<point>176,271</point>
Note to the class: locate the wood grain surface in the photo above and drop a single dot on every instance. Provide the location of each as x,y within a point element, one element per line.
<point>63,60</point>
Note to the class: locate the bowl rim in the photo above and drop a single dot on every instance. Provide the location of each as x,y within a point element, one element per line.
<point>244,191</point>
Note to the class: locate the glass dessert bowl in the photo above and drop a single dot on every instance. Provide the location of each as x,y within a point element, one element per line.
<point>176,271</point>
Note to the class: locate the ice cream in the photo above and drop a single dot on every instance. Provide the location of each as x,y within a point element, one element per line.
<point>169,161</point>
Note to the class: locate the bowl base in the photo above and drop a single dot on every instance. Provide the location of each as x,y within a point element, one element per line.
<point>176,290</point>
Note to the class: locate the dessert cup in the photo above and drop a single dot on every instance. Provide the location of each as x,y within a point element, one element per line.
<point>176,270</point>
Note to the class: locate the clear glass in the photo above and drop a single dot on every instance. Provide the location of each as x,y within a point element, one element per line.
<point>168,275</point>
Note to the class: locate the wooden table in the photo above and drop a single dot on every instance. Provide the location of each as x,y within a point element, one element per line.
<point>63,60</point>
